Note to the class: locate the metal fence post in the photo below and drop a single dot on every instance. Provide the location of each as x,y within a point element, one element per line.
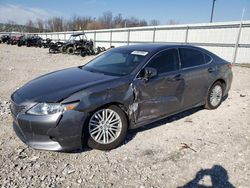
<point>186,36</point>
<point>110,38</point>
<point>154,34</point>
<point>128,40</point>
<point>237,43</point>
<point>95,39</point>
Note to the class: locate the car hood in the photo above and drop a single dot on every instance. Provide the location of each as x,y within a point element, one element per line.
<point>56,86</point>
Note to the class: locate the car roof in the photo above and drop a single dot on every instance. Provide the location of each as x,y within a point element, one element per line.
<point>78,34</point>
<point>154,47</point>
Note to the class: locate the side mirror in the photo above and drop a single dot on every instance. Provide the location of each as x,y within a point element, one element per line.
<point>149,72</point>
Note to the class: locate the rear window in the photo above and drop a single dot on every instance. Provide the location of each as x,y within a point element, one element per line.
<point>192,58</point>
<point>207,58</point>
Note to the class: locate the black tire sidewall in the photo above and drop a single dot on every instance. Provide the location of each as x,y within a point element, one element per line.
<point>208,104</point>
<point>83,53</point>
<point>95,145</point>
<point>70,50</point>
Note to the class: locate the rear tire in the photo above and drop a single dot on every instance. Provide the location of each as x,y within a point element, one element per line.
<point>214,96</point>
<point>63,49</point>
<point>106,128</point>
<point>70,50</point>
<point>83,53</point>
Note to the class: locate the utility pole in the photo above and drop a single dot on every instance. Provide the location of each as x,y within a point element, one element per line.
<point>212,13</point>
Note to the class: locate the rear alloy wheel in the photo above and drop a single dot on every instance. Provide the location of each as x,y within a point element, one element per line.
<point>215,96</point>
<point>107,128</point>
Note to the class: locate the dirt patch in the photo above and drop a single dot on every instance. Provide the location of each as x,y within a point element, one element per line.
<point>156,155</point>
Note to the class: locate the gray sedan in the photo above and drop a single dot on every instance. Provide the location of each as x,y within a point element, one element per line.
<point>122,89</point>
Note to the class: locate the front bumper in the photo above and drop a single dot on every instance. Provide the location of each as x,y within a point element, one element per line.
<point>57,132</point>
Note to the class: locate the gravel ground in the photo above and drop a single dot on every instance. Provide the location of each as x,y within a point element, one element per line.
<point>197,147</point>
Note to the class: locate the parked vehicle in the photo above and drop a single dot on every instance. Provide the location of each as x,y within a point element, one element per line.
<point>46,43</point>
<point>10,40</point>
<point>15,39</point>
<point>33,41</point>
<point>5,38</point>
<point>122,89</point>
<point>75,44</point>
<point>86,48</point>
<point>56,47</point>
<point>22,41</point>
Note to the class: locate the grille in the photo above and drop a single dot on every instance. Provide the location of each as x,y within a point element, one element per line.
<point>16,109</point>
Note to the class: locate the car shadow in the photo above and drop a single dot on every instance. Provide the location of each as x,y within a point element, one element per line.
<point>132,133</point>
<point>218,178</point>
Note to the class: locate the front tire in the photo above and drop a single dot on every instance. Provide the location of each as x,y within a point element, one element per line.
<point>215,96</point>
<point>107,128</point>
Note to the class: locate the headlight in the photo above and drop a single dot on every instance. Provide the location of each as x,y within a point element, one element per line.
<point>51,108</point>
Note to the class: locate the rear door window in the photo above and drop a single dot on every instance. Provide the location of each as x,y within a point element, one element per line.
<point>192,58</point>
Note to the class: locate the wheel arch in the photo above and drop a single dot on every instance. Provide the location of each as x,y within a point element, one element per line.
<point>119,104</point>
<point>222,81</point>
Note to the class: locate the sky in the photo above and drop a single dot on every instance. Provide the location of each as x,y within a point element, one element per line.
<point>182,11</point>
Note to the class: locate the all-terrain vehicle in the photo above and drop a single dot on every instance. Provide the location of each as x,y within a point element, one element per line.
<point>5,38</point>
<point>10,40</point>
<point>22,41</point>
<point>56,47</point>
<point>34,41</point>
<point>75,43</point>
<point>70,45</point>
<point>46,43</point>
<point>15,39</point>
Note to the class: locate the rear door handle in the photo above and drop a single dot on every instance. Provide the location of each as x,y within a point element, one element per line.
<point>177,77</point>
<point>211,69</point>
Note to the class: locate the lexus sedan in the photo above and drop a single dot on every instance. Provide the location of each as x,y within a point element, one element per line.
<point>126,87</point>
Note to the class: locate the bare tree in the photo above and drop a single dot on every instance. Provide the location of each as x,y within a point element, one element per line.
<point>55,24</point>
<point>106,19</point>
<point>94,25</point>
<point>118,21</point>
<point>40,25</point>
<point>143,23</point>
<point>172,22</point>
<point>154,22</point>
<point>134,22</point>
<point>30,26</point>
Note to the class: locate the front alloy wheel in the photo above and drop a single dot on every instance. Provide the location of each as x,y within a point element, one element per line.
<point>107,128</point>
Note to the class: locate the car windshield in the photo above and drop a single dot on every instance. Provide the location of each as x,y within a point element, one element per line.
<point>116,63</point>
